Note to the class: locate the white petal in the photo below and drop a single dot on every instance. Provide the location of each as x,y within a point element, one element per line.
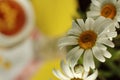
<point>81,24</point>
<point>88,23</point>
<point>108,35</point>
<point>107,54</point>
<point>96,3</point>
<point>78,72</point>
<point>85,74</point>
<point>66,69</point>
<point>75,57</point>
<point>59,75</point>
<point>101,46</point>
<point>108,28</point>
<point>101,1</point>
<point>85,62</point>
<point>106,42</point>
<point>97,22</point>
<point>113,1</point>
<point>95,8</point>
<point>74,32</point>
<point>117,24</point>
<point>75,25</point>
<point>118,1</point>
<point>71,52</point>
<point>92,76</point>
<point>88,60</point>
<point>101,27</point>
<point>70,40</point>
<point>118,18</point>
<point>112,34</point>
<point>93,13</point>
<point>106,1</point>
<point>112,28</point>
<point>98,54</point>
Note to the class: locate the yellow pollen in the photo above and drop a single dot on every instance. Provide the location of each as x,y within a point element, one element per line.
<point>76,79</point>
<point>108,11</point>
<point>87,39</point>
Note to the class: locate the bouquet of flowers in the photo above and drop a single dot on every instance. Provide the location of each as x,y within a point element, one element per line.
<point>90,42</point>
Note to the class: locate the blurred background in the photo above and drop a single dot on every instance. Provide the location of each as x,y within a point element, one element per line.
<point>29,32</point>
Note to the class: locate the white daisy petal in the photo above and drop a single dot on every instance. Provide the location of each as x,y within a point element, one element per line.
<point>101,1</point>
<point>59,75</point>
<point>85,74</point>
<point>92,64</point>
<point>88,23</point>
<point>113,1</point>
<point>108,35</point>
<point>75,25</point>
<point>88,60</point>
<point>74,32</point>
<point>107,54</point>
<point>118,18</point>
<point>106,42</point>
<point>66,69</point>
<point>95,8</point>
<point>101,46</point>
<point>70,40</point>
<point>111,28</point>
<point>81,24</point>
<point>96,3</point>
<point>98,54</point>
<point>70,55</point>
<point>73,59</point>
<point>85,62</point>
<point>118,1</point>
<point>78,72</point>
<point>92,76</point>
<point>71,52</point>
<point>98,22</point>
<point>103,25</point>
<point>117,24</point>
<point>112,34</point>
<point>93,13</point>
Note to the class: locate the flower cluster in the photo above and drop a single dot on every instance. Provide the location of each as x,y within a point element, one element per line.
<point>89,40</point>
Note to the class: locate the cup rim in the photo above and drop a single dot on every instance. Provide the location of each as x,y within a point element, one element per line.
<point>6,41</point>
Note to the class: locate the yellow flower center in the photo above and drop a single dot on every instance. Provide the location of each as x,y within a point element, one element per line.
<point>76,79</point>
<point>87,39</point>
<point>108,11</point>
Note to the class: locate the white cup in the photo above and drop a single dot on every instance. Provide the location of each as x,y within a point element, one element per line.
<point>7,41</point>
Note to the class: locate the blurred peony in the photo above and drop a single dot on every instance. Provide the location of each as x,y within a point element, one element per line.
<point>54,17</point>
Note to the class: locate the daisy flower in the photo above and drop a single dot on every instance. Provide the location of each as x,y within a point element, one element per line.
<point>107,8</point>
<point>74,73</point>
<point>90,38</point>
